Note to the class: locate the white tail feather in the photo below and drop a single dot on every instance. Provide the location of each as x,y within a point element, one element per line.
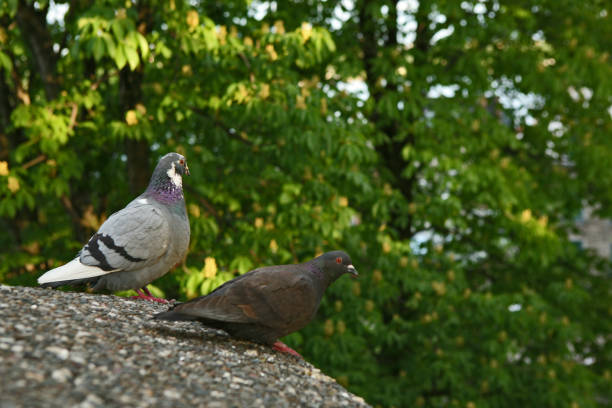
<point>72,270</point>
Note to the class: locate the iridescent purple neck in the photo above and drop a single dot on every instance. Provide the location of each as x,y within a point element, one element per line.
<point>164,190</point>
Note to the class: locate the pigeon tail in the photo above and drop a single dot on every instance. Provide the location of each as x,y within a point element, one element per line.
<point>174,316</point>
<point>73,272</point>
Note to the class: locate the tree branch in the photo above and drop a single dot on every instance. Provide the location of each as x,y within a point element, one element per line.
<point>130,94</point>
<point>33,26</point>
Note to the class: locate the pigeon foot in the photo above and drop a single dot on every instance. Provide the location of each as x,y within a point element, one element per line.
<point>148,296</point>
<point>283,348</point>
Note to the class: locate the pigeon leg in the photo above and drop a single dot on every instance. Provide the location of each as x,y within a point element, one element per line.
<point>283,348</point>
<point>147,296</point>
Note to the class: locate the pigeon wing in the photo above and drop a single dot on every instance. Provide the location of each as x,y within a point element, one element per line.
<point>132,238</point>
<point>275,296</point>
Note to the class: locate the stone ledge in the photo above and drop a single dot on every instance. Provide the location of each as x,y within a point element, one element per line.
<point>60,349</point>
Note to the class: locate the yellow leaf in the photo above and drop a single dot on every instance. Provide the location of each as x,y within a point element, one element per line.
<point>386,247</point>
<point>90,220</point>
<point>543,221</point>
<point>32,248</point>
<point>242,94</point>
<point>130,117</point>
<point>13,184</point>
<point>271,52</point>
<point>475,125</point>
<point>343,202</point>
<point>526,216</point>
<point>186,70</point>
<point>222,34</point>
<point>141,108</point>
<point>341,327</point>
<point>210,267</point>
<point>248,41</point>
<point>193,19</point>
<point>273,246</point>
<point>4,168</point>
<point>300,103</point>
<point>264,91</point>
<point>306,31</point>
<point>194,210</point>
<point>328,327</point>
<point>439,288</point>
<point>279,27</point>
<point>323,108</point>
<point>259,222</point>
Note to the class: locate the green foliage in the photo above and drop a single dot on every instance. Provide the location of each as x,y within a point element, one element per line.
<point>453,181</point>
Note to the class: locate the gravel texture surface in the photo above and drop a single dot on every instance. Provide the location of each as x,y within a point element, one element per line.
<point>62,349</point>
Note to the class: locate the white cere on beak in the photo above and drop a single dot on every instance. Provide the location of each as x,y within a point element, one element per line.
<point>176,178</point>
<point>351,269</point>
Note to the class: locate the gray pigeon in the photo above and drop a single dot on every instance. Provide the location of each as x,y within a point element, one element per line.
<point>266,303</point>
<point>137,244</point>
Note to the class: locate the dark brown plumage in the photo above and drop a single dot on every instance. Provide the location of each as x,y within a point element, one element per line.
<point>267,303</point>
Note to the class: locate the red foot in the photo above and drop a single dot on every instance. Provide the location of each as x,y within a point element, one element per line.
<point>283,348</point>
<point>148,296</point>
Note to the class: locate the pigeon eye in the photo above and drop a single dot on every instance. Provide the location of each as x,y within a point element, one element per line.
<point>338,260</point>
<point>182,161</point>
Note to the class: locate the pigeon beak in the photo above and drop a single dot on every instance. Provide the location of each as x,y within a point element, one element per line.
<point>351,269</point>
<point>187,170</point>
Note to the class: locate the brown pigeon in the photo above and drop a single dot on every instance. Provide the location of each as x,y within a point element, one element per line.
<point>266,303</point>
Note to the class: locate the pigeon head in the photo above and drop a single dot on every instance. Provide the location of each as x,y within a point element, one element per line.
<point>335,264</point>
<point>173,164</point>
<point>167,180</point>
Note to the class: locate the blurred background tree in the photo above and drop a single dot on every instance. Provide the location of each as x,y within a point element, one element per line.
<point>446,145</point>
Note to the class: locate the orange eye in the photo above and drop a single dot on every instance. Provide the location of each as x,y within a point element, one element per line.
<point>182,161</point>
<point>338,260</point>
